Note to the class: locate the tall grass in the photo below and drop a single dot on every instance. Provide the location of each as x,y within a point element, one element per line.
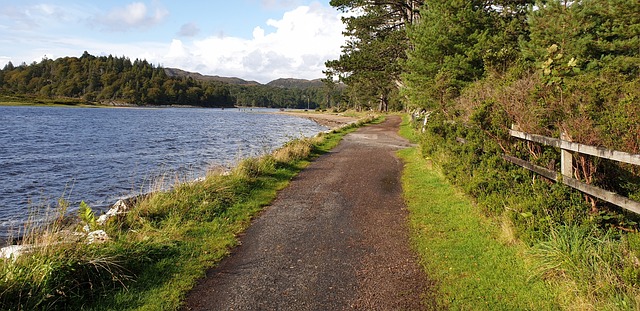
<point>161,247</point>
<point>589,268</point>
<point>57,275</point>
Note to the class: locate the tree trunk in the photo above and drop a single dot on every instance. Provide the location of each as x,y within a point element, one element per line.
<point>384,103</point>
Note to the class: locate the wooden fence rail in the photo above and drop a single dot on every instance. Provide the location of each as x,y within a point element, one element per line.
<point>566,167</point>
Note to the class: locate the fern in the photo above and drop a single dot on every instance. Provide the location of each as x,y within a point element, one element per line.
<point>87,215</point>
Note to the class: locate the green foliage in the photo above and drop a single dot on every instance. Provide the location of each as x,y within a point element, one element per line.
<point>370,60</point>
<point>548,217</point>
<point>118,80</point>
<point>454,43</point>
<point>280,97</point>
<point>471,159</point>
<point>556,67</point>
<point>87,216</point>
<point>587,53</point>
<point>109,79</point>
<point>598,35</point>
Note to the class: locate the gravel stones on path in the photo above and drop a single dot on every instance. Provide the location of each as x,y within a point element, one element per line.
<point>335,239</point>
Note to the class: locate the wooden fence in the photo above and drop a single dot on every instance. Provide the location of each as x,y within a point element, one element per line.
<point>566,166</point>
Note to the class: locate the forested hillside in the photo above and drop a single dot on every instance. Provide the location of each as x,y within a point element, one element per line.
<point>120,81</point>
<point>296,83</point>
<point>476,68</point>
<point>174,72</point>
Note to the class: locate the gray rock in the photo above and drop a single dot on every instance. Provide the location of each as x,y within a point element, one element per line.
<point>14,251</point>
<point>98,236</point>
<point>119,208</point>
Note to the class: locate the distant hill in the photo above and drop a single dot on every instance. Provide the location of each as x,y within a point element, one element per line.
<point>174,72</point>
<point>296,83</point>
<point>287,83</point>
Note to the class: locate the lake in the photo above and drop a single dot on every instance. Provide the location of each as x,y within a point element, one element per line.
<point>99,155</point>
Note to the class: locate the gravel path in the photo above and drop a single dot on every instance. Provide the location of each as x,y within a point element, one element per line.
<point>335,239</point>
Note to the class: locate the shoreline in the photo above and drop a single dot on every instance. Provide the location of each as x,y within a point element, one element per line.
<point>159,233</point>
<point>11,228</point>
<point>325,119</point>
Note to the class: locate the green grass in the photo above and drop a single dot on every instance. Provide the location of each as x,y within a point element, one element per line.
<point>475,262</point>
<point>45,102</point>
<point>163,246</point>
<point>407,131</point>
<point>595,272</point>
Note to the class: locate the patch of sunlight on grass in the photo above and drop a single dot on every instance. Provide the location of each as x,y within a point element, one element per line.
<point>473,260</point>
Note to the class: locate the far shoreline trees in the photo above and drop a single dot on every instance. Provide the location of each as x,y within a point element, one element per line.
<point>119,81</point>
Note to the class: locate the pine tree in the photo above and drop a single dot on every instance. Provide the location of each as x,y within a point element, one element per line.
<point>445,52</point>
<point>369,63</point>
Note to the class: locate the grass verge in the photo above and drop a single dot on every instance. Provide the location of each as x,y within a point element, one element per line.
<point>476,263</point>
<point>45,102</point>
<point>162,246</point>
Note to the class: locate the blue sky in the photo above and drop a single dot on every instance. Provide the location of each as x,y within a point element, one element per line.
<point>257,40</point>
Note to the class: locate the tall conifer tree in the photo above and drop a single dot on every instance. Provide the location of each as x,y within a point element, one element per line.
<point>369,63</point>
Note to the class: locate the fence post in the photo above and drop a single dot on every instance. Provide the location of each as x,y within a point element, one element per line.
<point>566,159</point>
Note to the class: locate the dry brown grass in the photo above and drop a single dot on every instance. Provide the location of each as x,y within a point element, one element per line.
<point>295,150</point>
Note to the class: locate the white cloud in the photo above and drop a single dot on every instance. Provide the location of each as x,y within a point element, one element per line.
<point>46,9</point>
<point>295,45</point>
<point>258,33</point>
<point>133,15</point>
<point>31,17</point>
<point>4,60</point>
<point>16,18</point>
<point>304,38</point>
<point>177,50</point>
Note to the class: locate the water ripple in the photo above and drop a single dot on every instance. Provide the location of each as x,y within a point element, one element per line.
<point>100,155</point>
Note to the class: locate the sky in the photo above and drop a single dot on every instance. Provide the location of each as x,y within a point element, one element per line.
<point>260,40</point>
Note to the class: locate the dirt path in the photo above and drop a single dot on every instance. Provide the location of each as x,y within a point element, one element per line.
<point>335,239</point>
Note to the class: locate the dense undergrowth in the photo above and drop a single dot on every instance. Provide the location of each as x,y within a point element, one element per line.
<point>591,255</point>
<point>159,249</point>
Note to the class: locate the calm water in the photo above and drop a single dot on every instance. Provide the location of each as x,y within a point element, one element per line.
<point>101,155</point>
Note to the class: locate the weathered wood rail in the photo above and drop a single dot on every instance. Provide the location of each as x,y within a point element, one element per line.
<point>566,166</point>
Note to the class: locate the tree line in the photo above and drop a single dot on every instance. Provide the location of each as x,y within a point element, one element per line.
<point>549,67</point>
<point>118,80</point>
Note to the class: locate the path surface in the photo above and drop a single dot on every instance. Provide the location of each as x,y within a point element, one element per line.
<point>335,239</point>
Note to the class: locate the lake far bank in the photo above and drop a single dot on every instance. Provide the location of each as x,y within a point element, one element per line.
<point>322,118</point>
